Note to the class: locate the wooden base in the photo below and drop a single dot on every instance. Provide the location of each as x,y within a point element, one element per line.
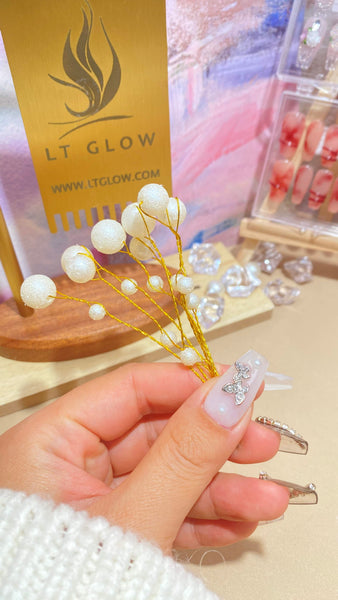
<point>64,331</point>
<point>256,230</point>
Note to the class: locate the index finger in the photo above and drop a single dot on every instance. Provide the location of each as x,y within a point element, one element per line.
<point>111,405</point>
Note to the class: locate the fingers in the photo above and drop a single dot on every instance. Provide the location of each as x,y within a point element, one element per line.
<point>194,533</point>
<point>199,437</point>
<point>237,498</point>
<point>111,405</point>
<point>257,445</point>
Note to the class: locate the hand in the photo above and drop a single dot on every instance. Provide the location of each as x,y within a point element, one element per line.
<point>137,447</point>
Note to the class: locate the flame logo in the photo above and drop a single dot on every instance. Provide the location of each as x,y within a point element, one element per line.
<point>86,76</point>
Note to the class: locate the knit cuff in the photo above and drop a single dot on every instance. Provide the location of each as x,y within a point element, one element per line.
<point>49,551</point>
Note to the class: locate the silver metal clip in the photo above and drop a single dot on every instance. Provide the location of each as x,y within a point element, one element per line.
<point>298,494</point>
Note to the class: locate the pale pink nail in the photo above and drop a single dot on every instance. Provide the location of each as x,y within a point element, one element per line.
<point>333,202</point>
<point>292,130</point>
<point>320,188</point>
<point>234,392</point>
<point>302,183</point>
<point>330,147</point>
<point>280,180</point>
<point>313,136</point>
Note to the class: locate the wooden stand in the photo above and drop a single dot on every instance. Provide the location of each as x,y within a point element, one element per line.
<point>256,230</point>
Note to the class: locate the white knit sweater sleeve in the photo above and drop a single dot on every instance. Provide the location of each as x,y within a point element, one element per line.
<point>50,552</point>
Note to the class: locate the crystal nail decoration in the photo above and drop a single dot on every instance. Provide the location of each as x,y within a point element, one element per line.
<point>299,494</point>
<point>332,51</point>
<point>281,293</point>
<point>267,257</point>
<point>210,310</point>
<point>299,270</point>
<point>311,38</point>
<point>240,282</point>
<point>204,259</point>
<point>237,387</point>
<point>291,441</point>
<point>215,287</point>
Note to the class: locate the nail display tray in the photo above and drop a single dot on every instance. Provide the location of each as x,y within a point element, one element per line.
<point>304,125</point>
<point>310,50</point>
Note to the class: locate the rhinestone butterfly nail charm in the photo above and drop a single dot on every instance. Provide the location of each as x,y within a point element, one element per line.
<point>237,387</point>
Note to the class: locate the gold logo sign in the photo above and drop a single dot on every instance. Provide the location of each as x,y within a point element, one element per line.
<point>91,81</point>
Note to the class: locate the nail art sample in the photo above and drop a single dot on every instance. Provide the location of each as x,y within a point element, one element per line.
<point>333,202</point>
<point>290,441</point>
<point>234,392</point>
<point>277,382</point>
<point>310,41</point>
<point>320,188</point>
<point>280,180</point>
<point>330,147</point>
<point>292,129</point>
<point>332,50</point>
<point>313,136</point>
<point>302,183</point>
<point>298,494</point>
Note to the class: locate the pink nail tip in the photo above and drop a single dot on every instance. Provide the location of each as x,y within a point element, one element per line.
<point>313,136</point>
<point>292,129</point>
<point>280,180</point>
<point>302,183</point>
<point>330,147</point>
<point>333,202</point>
<point>320,188</point>
<point>234,392</point>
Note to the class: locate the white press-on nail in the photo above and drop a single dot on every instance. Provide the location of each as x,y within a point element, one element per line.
<point>277,381</point>
<point>234,392</point>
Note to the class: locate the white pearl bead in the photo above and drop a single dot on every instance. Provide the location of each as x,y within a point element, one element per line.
<point>140,249</point>
<point>192,300</point>
<point>154,199</point>
<point>155,283</point>
<point>185,285</point>
<point>169,338</point>
<point>189,357</point>
<point>96,312</point>
<point>128,287</point>
<point>174,279</point>
<point>176,212</point>
<point>37,291</point>
<point>133,222</point>
<point>108,236</point>
<point>71,252</point>
<point>81,269</point>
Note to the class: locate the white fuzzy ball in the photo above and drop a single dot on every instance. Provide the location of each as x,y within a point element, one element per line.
<point>108,236</point>
<point>169,338</point>
<point>189,357</point>
<point>37,291</point>
<point>185,285</point>
<point>140,249</point>
<point>71,252</point>
<point>192,301</point>
<point>154,200</point>
<point>128,287</point>
<point>133,222</point>
<point>96,312</point>
<point>155,283</point>
<point>176,212</point>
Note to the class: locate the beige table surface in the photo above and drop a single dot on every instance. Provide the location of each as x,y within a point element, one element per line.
<point>296,558</point>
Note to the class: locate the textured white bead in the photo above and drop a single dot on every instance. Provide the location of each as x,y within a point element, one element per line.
<point>176,212</point>
<point>36,291</point>
<point>128,287</point>
<point>71,252</point>
<point>133,222</point>
<point>155,283</point>
<point>169,338</point>
<point>140,249</point>
<point>185,285</point>
<point>174,279</point>
<point>108,236</point>
<point>192,300</point>
<point>189,357</point>
<point>81,269</point>
<point>154,200</point>
<point>96,312</point>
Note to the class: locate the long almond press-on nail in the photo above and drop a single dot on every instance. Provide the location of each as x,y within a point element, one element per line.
<point>319,188</point>
<point>313,136</point>
<point>292,129</point>
<point>302,183</point>
<point>330,147</point>
<point>333,202</point>
<point>280,180</point>
<point>234,392</point>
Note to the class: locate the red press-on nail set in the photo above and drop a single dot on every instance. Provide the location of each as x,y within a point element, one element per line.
<point>299,182</point>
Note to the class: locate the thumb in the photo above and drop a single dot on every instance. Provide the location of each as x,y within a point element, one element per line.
<point>157,496</point>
